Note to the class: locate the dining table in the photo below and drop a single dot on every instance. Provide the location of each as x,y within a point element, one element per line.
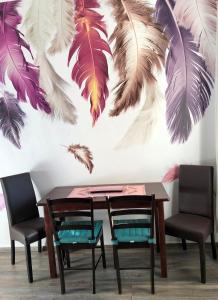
<point>99,193</point>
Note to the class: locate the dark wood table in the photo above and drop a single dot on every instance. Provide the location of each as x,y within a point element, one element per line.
<point>100,203</point>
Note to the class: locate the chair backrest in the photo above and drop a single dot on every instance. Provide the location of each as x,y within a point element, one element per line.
<point>20,198</point>
<point>133,205</point>
<point>196,190</point>
<point>60,209</point>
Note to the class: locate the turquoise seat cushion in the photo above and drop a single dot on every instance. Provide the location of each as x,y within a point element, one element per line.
<point>77,236</point>
<point>132,235</point>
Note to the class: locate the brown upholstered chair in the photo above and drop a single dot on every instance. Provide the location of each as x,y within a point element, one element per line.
<point>195,220</point>
<point>25,225</point>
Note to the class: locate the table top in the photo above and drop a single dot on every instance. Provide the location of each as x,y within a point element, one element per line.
<point>156,188</point>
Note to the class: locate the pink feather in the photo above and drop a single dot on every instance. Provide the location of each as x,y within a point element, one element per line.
<point>23,75</point>
<point>90,69</point>
<point>171,175</point>
<point>2,202</point>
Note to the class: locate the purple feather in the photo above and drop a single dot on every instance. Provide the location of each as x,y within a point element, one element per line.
<point>189,83</point>
<point>23,75</point>
<point>11,118</point>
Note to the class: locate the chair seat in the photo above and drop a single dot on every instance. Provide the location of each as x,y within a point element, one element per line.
<point>188,226</point>
<point>132,235</point>
<point>79,236</point>
<point>28,231</point>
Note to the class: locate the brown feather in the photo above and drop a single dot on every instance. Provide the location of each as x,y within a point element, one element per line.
<point>83,154</point>
<point>149,45</point>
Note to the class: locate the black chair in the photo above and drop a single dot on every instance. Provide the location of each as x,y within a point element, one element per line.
<point>132,233</point>
<point>195,219</point>
<point>25,225</point>
<point>75,234</point>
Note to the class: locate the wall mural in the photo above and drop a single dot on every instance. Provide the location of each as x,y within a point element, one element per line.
<point>2,202</point>
<point>178,37</point>
<point>171,174</point>
<point>191,29</point>
<point>91,65</point>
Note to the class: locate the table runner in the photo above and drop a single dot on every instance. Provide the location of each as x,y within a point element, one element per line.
<point>107,190</point>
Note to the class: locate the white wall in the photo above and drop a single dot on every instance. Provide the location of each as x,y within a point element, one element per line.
<point>50,165</point>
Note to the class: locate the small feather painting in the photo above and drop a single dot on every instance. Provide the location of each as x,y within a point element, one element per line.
<point>83,154</point>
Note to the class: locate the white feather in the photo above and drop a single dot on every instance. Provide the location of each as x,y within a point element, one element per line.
<point>39,28</point>
<point>39,24</point>
<point>138,41</point>
<point>143,125</point>
<point>145,38</point>
<point>53,85</point>
<point>200,17</point>
<point>65,26</point>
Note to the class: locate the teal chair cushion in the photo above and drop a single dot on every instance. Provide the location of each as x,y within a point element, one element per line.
<point>132,235</point>
<point>77,236</point>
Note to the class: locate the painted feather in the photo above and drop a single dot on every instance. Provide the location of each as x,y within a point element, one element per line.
<point>139,49</point>
<point>91,67</point>
<point>83,154</point>
<point>171,175</point>
<point>65,27</point>
<point>54,86</point>
<point>11,117</point>
<point>39,28</point>
<point>143,125</point>
<point>2,202</point>
<point>23,75</point>
<point>200,17</point>
<point>39,24</point>
<point>189,82</point>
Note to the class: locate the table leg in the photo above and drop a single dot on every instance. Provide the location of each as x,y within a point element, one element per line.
<point>157,230</point>
<point>162,244</point>
<point>50,245</point>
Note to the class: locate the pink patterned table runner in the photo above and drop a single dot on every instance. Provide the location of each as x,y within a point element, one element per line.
<point>107,190</point>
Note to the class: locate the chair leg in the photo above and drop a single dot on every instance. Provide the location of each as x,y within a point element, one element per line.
<point>213,245</point>
<point>12,252</point>
<point>61,270</point>
<point>40,246</point>
<point>184,245</point>
<point>103,252</point>
<point>29,263</point>
<point>67,253</point>
<point>114,258</point>
<point>202,262</point>
<point>117,267</point>
<point>152,268</point>
<point>93,270</point>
